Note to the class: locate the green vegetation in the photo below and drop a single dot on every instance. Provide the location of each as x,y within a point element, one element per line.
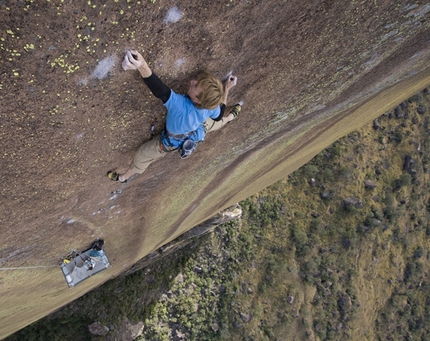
<point>321,255</point>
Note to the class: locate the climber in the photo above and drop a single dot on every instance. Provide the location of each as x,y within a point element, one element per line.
<point>188,117</point>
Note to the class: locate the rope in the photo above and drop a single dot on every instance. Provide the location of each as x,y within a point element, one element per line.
<point>29,267</point>
<point>117,192</point>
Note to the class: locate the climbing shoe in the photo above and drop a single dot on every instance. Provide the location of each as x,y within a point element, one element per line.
<point>114,176</point>
<point>236,110</point>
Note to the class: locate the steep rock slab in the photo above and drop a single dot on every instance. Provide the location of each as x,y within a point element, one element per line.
<point>308,74</point>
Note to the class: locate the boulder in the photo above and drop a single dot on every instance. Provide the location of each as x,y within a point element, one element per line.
<point>245,317</point>
<point>326,194</point>
<point>399,112</point>
<point>180,335</point>
<point>377,124</point>
<point>237,325</point>
<point>369,184</point>
<point>404,105</point>
<point>352,201</point>
<point>134,330</point>
<point>421,110</point>
<point>409,164</point>
<point>179,278</point>
<point>344,303</point>
<point>97,328</point>
<point>127,331</point>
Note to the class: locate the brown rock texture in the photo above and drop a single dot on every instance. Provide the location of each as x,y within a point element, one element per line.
<point>309,73</point>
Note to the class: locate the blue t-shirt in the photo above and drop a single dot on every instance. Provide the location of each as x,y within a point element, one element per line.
<point>184,117</point>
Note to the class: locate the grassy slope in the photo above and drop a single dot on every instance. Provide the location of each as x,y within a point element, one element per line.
<point>353,273</point>
<point>359,251</point>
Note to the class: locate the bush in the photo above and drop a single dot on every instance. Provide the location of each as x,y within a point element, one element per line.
<point>315,224</point>
<point>399,136</point>
<point>412,270</point>
<point>310,171</point>
<point>405,180</point>
<point>345,173</point>
<point>310,267</point>
<point>336,149</point>
<point>389,199</point>
<point>299,237</point>
<point>326,174</point>
<point>418,252</point>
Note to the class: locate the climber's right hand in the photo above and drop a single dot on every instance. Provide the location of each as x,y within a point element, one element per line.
<point>133,60</point>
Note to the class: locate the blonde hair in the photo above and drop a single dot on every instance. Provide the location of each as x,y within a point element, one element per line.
<point>212,91</point>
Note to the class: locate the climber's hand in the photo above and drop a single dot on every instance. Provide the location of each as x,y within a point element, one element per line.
<point>230,82</point>
<point>133,60</point>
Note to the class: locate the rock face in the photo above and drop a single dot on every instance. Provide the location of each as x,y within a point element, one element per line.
<point>308,73</point>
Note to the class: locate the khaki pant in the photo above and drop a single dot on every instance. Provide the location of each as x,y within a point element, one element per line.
<point>211,125</point>
<point>151,150</point>
<point>146,154</point>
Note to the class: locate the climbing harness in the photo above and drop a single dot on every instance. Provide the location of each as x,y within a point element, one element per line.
<point>184,143</point>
